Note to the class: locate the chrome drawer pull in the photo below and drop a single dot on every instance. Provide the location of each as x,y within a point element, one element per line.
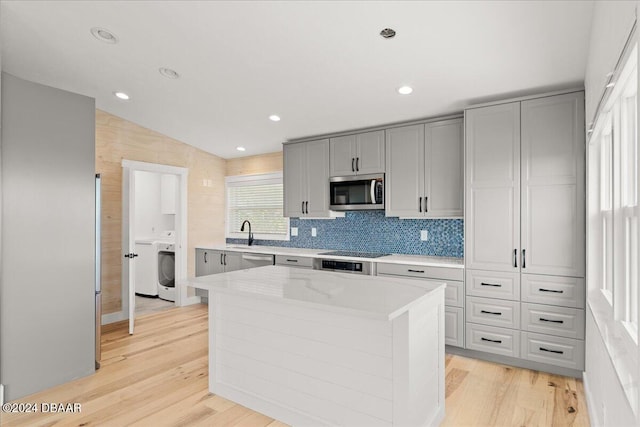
<point>291,260</point>
<point>490,284</point>
<point>497,313</point>
<point>542,319</point>
<point>415,271</point>
<point>487,339</point>
<point>550,290</point>
<point>551,351</point>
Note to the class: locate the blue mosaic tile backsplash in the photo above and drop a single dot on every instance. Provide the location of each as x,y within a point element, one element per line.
<point>371,231</point>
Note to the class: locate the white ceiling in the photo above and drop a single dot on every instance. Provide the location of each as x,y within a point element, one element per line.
<point>321,66</point>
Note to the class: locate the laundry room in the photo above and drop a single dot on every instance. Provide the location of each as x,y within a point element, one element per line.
<point>155,217</point>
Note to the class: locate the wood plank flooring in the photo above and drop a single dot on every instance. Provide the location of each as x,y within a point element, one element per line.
<point>158,377</point>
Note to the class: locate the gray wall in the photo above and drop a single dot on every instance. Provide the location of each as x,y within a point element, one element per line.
<point>47,279</point>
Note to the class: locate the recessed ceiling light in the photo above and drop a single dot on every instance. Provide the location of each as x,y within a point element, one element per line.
<point>169,73</point>
<point>241,149</point>
<point>388,33</point>
<point>121,95</point>
<point>104,35</point>
<point>274,118</point>
<point>405,90</point>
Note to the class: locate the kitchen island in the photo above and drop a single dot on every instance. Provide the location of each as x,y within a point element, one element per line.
<point>314,347</point>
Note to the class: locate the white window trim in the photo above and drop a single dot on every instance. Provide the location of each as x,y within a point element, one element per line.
<point>263,178</point>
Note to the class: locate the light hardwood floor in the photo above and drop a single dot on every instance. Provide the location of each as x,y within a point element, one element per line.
<point>158,377</point>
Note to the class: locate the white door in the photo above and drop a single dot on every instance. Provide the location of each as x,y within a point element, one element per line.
<point>492,226</point>
<point>342,152</point>
<point>553,185</point>
<point>370,152</point>
<point>443,159</point>
<point>129,240</point>
<point>404,180</point>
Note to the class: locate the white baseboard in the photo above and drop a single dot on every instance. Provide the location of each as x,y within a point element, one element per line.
<point>192,300</point>
<point>114,317</point>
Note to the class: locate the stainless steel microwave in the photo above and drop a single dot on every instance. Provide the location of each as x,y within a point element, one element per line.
<point>361,192</point>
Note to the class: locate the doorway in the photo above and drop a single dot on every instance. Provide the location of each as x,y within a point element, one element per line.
<point>154,237</point>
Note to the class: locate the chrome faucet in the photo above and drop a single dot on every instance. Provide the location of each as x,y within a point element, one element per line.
<point>250,241</point>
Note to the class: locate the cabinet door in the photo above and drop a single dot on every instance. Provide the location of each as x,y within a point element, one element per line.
<point>317,178</point>
<point>342,155</point>
<point>294,179</point>
<point>215,260</point>
<point>492,205</point>
<point>443,186</point>
<point>201,262</point>
<point>370,152</point>
<point>553,205</point>
<point>405,172</point>
<point>232,261</point>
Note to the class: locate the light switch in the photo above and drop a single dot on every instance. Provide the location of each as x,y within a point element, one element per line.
<point>424,235</point>
<point>294,231</point>
<point>314,232</point>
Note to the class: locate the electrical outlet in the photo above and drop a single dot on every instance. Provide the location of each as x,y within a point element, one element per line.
<point>314,232</point>
<point>294,231</point>
<point>424,235</point>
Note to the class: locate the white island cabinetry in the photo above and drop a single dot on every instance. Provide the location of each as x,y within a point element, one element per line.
<point>312,347</point>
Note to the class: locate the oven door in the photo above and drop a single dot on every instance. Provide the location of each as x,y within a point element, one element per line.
<point>356,192</point>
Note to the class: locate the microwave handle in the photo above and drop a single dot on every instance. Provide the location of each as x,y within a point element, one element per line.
<point>373,191</point>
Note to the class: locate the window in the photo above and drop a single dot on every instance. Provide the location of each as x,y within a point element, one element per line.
<point>257,198</point>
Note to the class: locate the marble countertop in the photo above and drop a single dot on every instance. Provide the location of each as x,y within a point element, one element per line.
<point>376,297</point>
<point>427,261</point>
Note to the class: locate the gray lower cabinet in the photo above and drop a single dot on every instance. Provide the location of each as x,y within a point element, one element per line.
<point>306,179</point>
<point>209,261</point>
<point>453,295</point>
<point>358,154</point>
<point>424,170</point>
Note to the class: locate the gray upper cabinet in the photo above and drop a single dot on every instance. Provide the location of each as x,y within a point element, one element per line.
<point>492,221</point>
<point>525,186</point>
<point>357,154</point>
<point>443,171</point>
<point>424,170</point>
<point>306,179</point>
<point>405,171</point>
<point>552,186</point>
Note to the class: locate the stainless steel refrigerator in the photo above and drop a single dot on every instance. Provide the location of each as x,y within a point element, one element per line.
<point>98,269</point>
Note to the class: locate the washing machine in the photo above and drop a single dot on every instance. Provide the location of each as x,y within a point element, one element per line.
<point>166,273</point>
<point>146,267</point>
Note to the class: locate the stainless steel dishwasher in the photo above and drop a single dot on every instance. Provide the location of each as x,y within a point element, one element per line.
<point>250,260</point>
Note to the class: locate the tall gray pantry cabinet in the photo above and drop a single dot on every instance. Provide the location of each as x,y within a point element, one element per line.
<point>524,229</point>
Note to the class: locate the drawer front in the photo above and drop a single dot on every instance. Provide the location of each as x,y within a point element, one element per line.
<point>438,273</point>
<point>552,320</point>
<point>565,352</point>
<point>454,294</point>
<point>493,340</point>
<point>553,290</point>
<point>493,284</point>
<point>454,326</point>
<point>493,312</point>
<point>294,261</point>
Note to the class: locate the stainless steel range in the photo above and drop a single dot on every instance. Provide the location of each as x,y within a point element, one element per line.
<point>356,266</point>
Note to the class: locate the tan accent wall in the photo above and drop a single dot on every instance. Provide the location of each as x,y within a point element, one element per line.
<point>118,139</point>
<point>263,163</point>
